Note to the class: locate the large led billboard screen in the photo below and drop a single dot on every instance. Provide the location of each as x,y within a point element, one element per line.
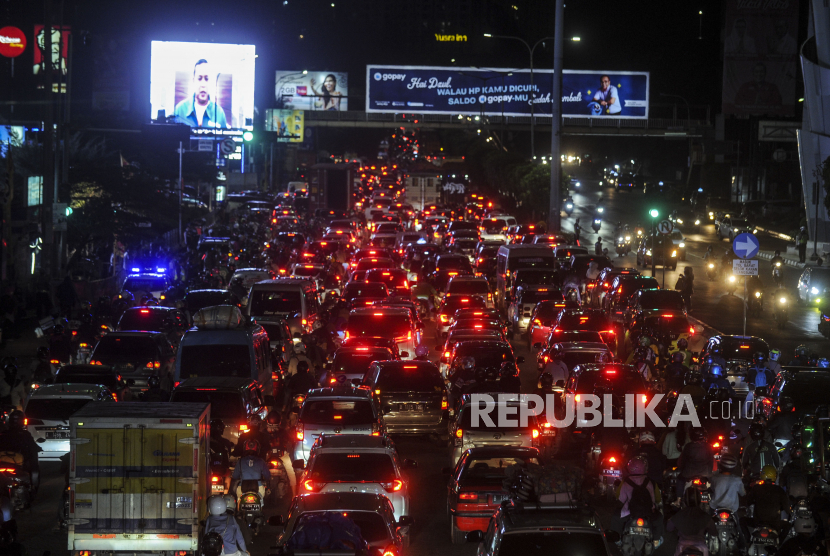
<point>312,90</point>
<point>497,91</point>
<point>203,84</point>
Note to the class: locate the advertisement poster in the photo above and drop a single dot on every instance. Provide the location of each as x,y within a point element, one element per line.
<point>760,57</point>
<point>59,50</point>
<point>34,190</point>
<point>498,91</point>
<point>289,124</point>
<point>318,90</point>
<point>203,84</point>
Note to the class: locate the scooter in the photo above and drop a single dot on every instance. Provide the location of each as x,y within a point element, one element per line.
<point>777,276</point>
<point>569,208</point>
<point>596,224</point>
<point>20,482</point>
<point>250,506</point>
<point>731,284</point>
<point>637,537</point>
<point>610,475</point>
<point>622,248</point>
<point>726,543</point>
<point>763,541</point>
<point>755,303</point>
<point>782,313</point>
<point>711,272</point>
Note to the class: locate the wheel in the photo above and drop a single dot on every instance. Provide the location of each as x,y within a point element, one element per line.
<point>456,534</point>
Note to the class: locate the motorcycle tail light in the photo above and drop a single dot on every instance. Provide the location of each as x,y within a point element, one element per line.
<point>444,403</point>
<point>459,433</point>
<point>83,345</point>
<point>56,362</point>
<point>724,516</point>
<point>214,479</point>
<point>640,522</point>
<point>300,434</point>
<point>696,482</point>
<point>250,498</point>
<point>389,551</point>
<point>612,459</point>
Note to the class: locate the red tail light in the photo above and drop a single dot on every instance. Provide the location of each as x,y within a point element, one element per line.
<point>723,516</point>
<point>393,486</point>
<point>312,486</point>
<point>640,522</point>
<point>612,459</point>
<point>214,479</point>
<point>300,434</point>
<point>470,496</point>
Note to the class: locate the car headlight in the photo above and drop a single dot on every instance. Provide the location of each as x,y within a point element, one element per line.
<point>732,278</point>
<point>674,253</point>
<point>648,252</point>
<point>682,245</point>
<point>734,229</point>
<point>814,291</point>
<point>818,300</point>
<point>782,300</point>
<point>627,238</point>
<point>711,265</point>
<point>600,210</point>
<point>679,221</point>
<point>757,294</point>
<point>755,231</point>
<point>697,222</point>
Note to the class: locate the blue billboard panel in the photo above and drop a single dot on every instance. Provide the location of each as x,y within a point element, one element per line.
<point>502,91</point>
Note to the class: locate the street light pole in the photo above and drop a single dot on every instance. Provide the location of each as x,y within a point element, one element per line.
<point>554,216</point>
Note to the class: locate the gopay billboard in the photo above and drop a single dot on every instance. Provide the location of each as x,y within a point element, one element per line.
<point>496,91</point>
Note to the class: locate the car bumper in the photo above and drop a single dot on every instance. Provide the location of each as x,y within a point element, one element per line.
<point>404,428</point>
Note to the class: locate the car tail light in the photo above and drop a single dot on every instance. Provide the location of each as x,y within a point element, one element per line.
<point>535,433</point>
<point>445,318</point>
<point>394,486</point>
<point>300,434</point>
<point>577,398</point>
<point>644,398</point>
<point>25,421</point>
<point>444,403</point>
<point>84,345</point>
<point>470,496</point>
<point>459,433</point>
<point>375,429</point>
<point>144,311</point>
<point>312,486</point>
<point>243,428</point>
<point>692,330</point>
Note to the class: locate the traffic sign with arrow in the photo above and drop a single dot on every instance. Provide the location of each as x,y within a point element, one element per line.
<point>746,246</point>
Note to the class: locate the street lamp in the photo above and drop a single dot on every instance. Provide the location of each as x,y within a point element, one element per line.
<point>530,50</point>
<point>654,214</point>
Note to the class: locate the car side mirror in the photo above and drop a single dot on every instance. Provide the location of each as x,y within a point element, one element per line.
<point>387,409</point>
<point>298,464</point>
<point>410,464</point>
<point>276,521</point>
<point>520,359</point>
<point>537,345</point>
<point>404,354</point>
<point>474,536</point>
<point>405,521</point>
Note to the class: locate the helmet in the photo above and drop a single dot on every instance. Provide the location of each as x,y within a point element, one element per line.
<point>212,543</point>
<point>716,370</point>
<point>682,343</point>
<point>638,466</point>
<point>645,341</point>
<point>693,377</point>
<point>692,497</point>
<point>769,473</point>
<point>802,351</point>
<point>154,382</point>
<point>546,379</point>
<point>43,352</point>
<point>421,350</point>
<point>777,253</point>
<point>678,357</point>
<point>302,367</point>
<point>274,418</point>
<point>254,422</point>
<point>251,446</point>
<point>481,374</point>
<point>756,431</point>
<point>786,405</point>
<point>468,363</point>
<point>728,463</point>
<point>759,357</point>
<point>299,348</point>
<point>774,354</point>
<point>217,505</point>
<point>16,419</point>
<point>823,362</point>
<point>805,525</point>
<point>697,434</point>
<point>647,437</point>
<point>217,426</point>
<point>230,501</point>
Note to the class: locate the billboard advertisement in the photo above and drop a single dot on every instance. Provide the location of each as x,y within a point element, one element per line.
<point>204,85</point>
<point>12,42</point>
<point>497,91</point>
<point>318,90</point>
<point>760,58</point>
<point>59,54</point>
<point>289,124</point>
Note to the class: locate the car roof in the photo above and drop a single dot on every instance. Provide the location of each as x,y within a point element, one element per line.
<point>580,346</point>
<point>68,390</point>
<point>215,383</point>
<point>502,451</point>
<point>335,501</point>
<point>384,309</point>
<point>340,392</point>
<point>157,308</point>
<point>103,370</point>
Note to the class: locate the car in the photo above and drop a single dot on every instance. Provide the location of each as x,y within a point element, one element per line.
<point>448,308</point>
<point>361,294</point>
<point>458,336</point>
<point>495,227</point>
<point>486,353</point>
<point>394,323</point>
<point>485,257</point>
<point>370,253</point>
<point>249,276</point>
<point>574,271</point>
<point>653,299</point>
<point>314,273</point>
<point>667,327</point>
<point>806,387</point>
<point>396,279</point>
<point>658,251</point>
<point>234,400</point>
<point>373,514</point>
<point>521,276</point>
<point>520,310</point>
<point>475,488</point>
<point>550,239</point>
<point>615,378</point>
<point>571,354</point>
<point>450,261</point>
<point>616,301</point>
<point>564,337</point>
<point>353,362</point>
<point>730,226</point>
<point>599,288</point>
<point>544,528</point>
<point>654,186</point>
<point>679,242</point>
<point>369,263</point>
<point>479,323</point>
<point>147,283</point>
<point>90,374</point>
<point>359,463</point>
<point>167,320</point>
<point>49,408</point>
<point>194,300</point>
<point>137,356</point>
<point>280,339</point>
<point>412,395</point>
<point>587,319</point>
<point>464,434</point>
<point>384,240</point>
<point>812,284</point>
<point>737,352</point>
<point>470,285</point>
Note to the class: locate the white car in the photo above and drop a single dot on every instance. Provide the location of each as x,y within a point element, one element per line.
<point>358,463</point>
<point>48,410</point>
<point>146,282</point>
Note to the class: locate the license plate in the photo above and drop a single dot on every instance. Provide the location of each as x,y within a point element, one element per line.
<point>704,496</point>
<point>499,498</point>
<point>217,488</point>
<point>611,472</point>
<point>645,531</point>
<point>57,435</point>
<point>250,507</point>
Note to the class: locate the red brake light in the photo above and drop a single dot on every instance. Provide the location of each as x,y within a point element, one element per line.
<point>214,479</point>
<point>459,433</point>
<point>144,311</point>
<point>723,516</point>
<point>468,496</point>
<point>612,459</point>
<point>535,433</point>
<point>300,435</point>
<point>640,522</point>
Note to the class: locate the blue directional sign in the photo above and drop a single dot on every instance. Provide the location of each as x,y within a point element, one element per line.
<point>746,246</point>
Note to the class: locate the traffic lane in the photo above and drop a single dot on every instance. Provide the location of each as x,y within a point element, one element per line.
<point>38,527</point>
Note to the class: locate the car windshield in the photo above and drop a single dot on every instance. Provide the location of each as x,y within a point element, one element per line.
<point>485,356</point>
<point>144,284</point>
<point>410,378</point>
<point>352,468</point>
<point>535,296</point>
<point>633,285</point>
<point>358,361</point>
<point>223,405</point>
<point>215,360</point>
<point>491,227</point>
<point>365,289</point>
<point>379,325</point>
<point>453,263</point>
<point>143,319</point>
<point>337,412</point>
<point>372,526</point>
<point>671,324</point>
<point>469,287</point>
<point>465,420</point>
<point>661,299</point>
<point>523,543</point>
<point>51,409</point>
<point>548,310</point>
<point>66,376</point>
<point>125,349</point>
<point>274,331</point>
<point>741,348</point>
<point>490,470</point>
<point>264,302</point>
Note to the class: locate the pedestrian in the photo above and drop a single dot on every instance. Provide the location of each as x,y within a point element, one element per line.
<point>801,241</point>
<point>598,246</point>
<point>686,286</point>
<point>577,230</point>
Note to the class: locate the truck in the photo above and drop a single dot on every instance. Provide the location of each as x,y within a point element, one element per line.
<point>331,187</point>
<point>421,191</point>
<point>138,478</point>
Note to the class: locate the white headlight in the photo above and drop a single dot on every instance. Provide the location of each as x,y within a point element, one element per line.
<point>814,291</point>
<point>757,294</point>
<point>782,300</point>
<point>679,221</point>
<point>620,239</point>
<point>697,222</point>
<point>734,229</point>
<point>648,252</point>
<point>682,244</point>
<point>731,278</point>
<point>674,253</point>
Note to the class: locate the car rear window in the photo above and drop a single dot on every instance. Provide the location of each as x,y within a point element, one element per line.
<point>491,227</point>
<point>337,412</point>
<point>223,405</point>
<point>661,299</point>
<point>453,263</point>
<point>577,321</point>
<point>144,284</point>
<point>379,325</point>
<point>135,319</point>
<point>490,471</point>
<point>535,296</point>
<point>574,358</point>
<point>352,468</point>
<point>532,262</point>
<point>485,356</point>
<point>469,287</point>
<point>674,324</point>
<point>303,271</point>
<point>125,349</point>
<point>523,543</point>
<point>196,301</point>
<point>366,264</point>
<point>274,331</point>
<point>548,310</point>
<point>365,289</point>
<point>633,285</point>
<point>64,377</point>
<point>403,379</point>
<point>264,302</point>
<point>372,526</point>
<point>535,277</point>
<point>808,389</point>
<point>50,409</point>
<point>215,360</point>
<point>453,303</point>
<point>741,349</point>
<point>358,361</point>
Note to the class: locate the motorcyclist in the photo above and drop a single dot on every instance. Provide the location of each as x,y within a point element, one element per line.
<point>598,246</point>
<point>769,500</point>
<point>759,374</point>
<point>648,450</point>
<point>726,486</point>
<point>479,385</point>
<point>16,439</point>
<point>300,382</point>
<point>726,260</point>
<point>219,521</point>
<point>692,524</point>
<point>805,540</point>
<point>802,357</point>
<point>421,353</point>
<point>462,374</point>
<point>693,387</point>
<point>780,426</point>
<point>257,430</point>
<point>87,332</point>
<point>43,372</point>
<point>759,453</point>
<point>422,289</point>
<point>695,459</point>
<point>577,231</point>
<point>154,391</point>
<point>683,347</point>
<point>676,371</point>
<point>686,286</point>
<point>593,271</point>
<point>545,385</point>
<point>717,379</point>
<point>251,467</point>
<point>772,363</point>
<point>776,258</point>
<point>638,476</point>
<point>298,357</point>
<point>709,254</point>
<point>220,447</point>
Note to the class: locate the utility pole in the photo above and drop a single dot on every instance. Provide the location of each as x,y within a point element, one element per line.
<point>181,188</point>
<point>49,184</point>
<point>554,217</point>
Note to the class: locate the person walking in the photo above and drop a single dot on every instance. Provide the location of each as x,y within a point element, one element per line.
<point>577,231</point>
<point>801,241</point>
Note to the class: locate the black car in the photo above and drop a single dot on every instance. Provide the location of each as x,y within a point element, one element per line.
<point>92,374</point>
<point>167,320</point>
<point>806,387</point>
<point>657,250</point>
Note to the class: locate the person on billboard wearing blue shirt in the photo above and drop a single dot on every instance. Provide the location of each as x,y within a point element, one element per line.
<point>607,97</point>
<point>198,109</point>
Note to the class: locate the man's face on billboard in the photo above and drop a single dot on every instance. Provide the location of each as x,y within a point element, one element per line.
<point>201,81</point>
<point>606,82</point>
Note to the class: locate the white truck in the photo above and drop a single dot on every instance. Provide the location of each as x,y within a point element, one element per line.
<point>138,477</point>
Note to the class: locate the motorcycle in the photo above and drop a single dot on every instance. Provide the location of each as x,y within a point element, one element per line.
<point>782,310</point>
<point>731,284</point>
<point>702,485</point>
<point>726,543</point>
<point>711,272</point>
<point>212,545</point>
<point>610,475</point>
<point>761,540</point>
<point>596,224</point>
<point>777,275</point>
<point>755,303</point>
<point>20,483</point>
<point>280,484</point>
<point>622,248</point>
<point>250,506</point>
<point>569,208</point>
<point>637,538</point>
<point>82,354</point>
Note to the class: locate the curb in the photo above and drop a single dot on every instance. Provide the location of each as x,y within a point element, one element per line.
<point>789,262</point>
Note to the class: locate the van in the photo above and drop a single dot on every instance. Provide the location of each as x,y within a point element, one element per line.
<point>512,257</point>
<point>292,299</point>
<point>226,350</point>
